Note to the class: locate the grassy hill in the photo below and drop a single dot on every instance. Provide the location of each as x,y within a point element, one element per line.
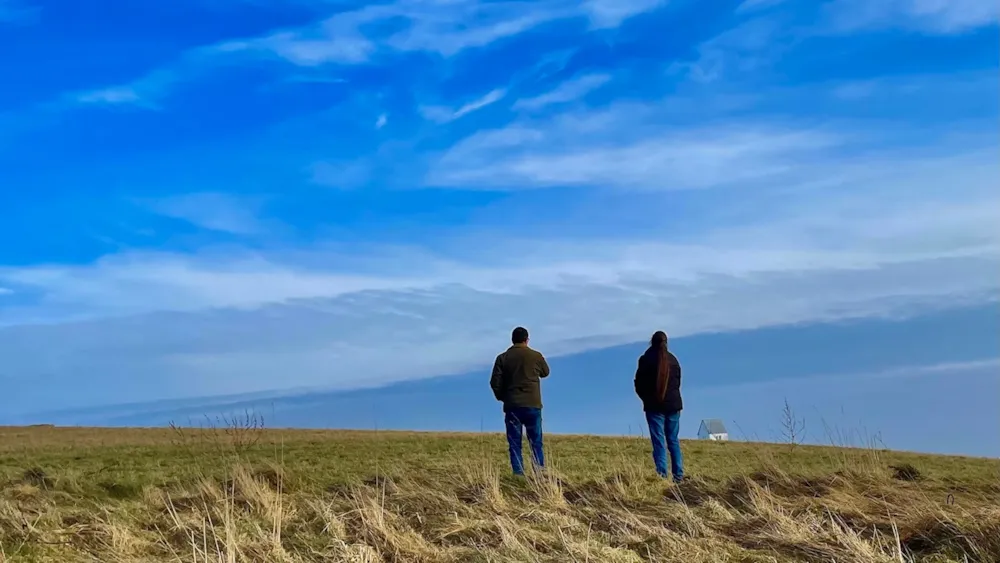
<point>241,493</point>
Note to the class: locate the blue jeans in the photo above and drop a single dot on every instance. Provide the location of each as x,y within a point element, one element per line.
<point>531,419</point>
<point>663,431</point>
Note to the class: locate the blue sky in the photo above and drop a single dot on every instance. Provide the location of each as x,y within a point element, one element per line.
<point>210,197</point>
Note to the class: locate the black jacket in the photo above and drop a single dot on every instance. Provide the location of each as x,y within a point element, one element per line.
<point>645,384</point>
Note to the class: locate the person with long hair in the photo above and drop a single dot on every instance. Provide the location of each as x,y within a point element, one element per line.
<point>658,385</point>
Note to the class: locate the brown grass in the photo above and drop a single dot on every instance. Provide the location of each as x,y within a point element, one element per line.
<point>308,496</point>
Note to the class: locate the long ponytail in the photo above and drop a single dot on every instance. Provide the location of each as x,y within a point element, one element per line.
<point>659,343</point>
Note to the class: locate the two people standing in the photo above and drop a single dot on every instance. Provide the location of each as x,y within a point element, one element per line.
<point>516,382</point>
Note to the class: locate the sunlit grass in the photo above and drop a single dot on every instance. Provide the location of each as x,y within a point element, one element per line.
<point>300,496</point>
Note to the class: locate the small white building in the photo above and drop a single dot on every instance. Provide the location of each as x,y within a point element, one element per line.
<point>713,429</point>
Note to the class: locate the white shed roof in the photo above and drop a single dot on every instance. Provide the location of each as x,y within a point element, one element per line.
<point>714,426</point>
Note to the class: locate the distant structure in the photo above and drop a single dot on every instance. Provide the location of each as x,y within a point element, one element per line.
<point>713,429</point>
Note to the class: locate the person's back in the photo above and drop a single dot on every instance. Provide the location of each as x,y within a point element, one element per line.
<point>658,385</point>
<point>646,379</point>
<point>517,376</point>
<point>516,382</point>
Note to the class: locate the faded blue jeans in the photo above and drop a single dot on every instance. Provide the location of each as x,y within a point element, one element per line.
<point>531,420</point>
<point>663,432</point>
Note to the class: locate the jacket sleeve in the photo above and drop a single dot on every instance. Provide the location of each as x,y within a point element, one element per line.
<point>543,367</point>
<point>496,381</point>
<point>679,370</point>
<point>638,379</point>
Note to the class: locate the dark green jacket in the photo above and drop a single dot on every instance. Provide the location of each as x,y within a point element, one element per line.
<point>517,375</point>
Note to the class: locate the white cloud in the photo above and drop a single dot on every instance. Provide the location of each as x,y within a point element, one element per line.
<point>141,283</point>
<point>344,175</point>
<point>611,13</point>
<point>744,49</point>
<point>568,91</point>
<point>491,97</point>
<point>443,114</point>
<point>212,211</point>
<point>821,225</point>
<point>467,25</point>
<point>750,48</point>
<point>341,340</point>
<point>443,27</point>
<point>628,146</point>
<point>251,320</point>
<point>16,12</point>
<point>347,47</point>
<point>752,5</point>
<point>862,223</point>
<point>143,92</point>
<point>391,165</point>
<point>931,16</point>
<point>674,144</point>
<point>110,96</point>
<point>381,121</point>
<point>955,86</point>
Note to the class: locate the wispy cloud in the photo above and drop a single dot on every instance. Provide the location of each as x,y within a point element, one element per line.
<point>239,320</point>
<point>342,174</point>
<point>752,5</point>
<point>878,239</point>
<point>446,28</point>
<point>742,50</point>
<point>298,48</point>
<point>212,211</point>
<point>611,13</point>
<point>763,198</point>
<point>111,96</point>
<point>680,142</point>
<point>352,37</point>
<point>443,114</point>
<point>970,86</point>
<point>568,91</point>
<point>932,16</point>
<point>873,243</point>
<point>627,146</point>
<point>491,97</point>
<point>17,12</point>
<point>764,36</point>
<point>145,92</point>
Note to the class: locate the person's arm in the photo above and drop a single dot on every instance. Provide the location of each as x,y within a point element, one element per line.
<point>678,366</point>
<point>638,378</point>
<point>543,367</point>
<point>496,381</point>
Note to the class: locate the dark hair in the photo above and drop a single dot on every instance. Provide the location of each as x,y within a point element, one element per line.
<point>519,336</point>
<point>659,343</point>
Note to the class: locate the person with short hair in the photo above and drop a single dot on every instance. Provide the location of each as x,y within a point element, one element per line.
<point>516,382</point>
<point>658,384</point>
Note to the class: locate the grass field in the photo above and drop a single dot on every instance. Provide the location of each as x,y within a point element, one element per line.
<point>244,494</point>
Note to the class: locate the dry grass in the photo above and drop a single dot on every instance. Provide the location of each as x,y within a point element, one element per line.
<point>300,496</point>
